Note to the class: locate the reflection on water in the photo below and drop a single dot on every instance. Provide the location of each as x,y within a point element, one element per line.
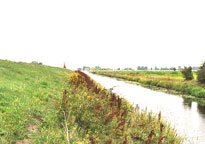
<point>187,103</point>
<point>187,117</point>
<point>201,109</point>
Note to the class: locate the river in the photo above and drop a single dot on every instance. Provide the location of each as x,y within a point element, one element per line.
<point>188,118</point>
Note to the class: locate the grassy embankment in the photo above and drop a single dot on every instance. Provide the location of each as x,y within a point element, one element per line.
<point>172,80</point>
<point>41,104</point>
<point>28,95</point>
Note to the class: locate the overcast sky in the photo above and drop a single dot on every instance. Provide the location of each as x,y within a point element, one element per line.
<point>108,33</point>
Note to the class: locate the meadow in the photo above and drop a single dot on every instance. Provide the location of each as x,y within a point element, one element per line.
<point>171,80</point>
<point>41,104</point>
<point>28,94</point>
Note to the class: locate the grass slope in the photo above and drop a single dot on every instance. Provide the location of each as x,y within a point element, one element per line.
<point>34,97</point>
<point>28,94</point>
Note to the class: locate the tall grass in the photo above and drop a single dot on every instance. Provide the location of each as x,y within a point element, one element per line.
<point>97,116</point>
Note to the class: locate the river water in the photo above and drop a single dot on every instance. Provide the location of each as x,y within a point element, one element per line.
<point>188,118</point>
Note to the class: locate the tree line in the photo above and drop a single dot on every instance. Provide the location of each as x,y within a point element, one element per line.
<point>188,74</point>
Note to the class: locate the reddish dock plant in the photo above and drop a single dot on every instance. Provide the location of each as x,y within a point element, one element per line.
<point>100,116</point>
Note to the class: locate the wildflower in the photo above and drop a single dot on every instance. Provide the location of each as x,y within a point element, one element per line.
<point>87,135</point>
<point>89,97</point>
<point>125,132</point>
<point>89,131</point>
<point>97,139</point>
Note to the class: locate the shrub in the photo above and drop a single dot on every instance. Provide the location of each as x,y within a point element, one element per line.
<point>201,73</point>
<point>35,62</point>
<point>187,73</point>
<point>201,94</point>
<point>155,82</point>
<point>148,82</point>
<point>169,85</point>
<point>137,79</point>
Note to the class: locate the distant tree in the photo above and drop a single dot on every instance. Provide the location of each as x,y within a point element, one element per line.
<point>174,69</point>
<point>187,73</point>
<point>179,67</point>
<point>201,73</point>
<point>97,68</point>
<point>164,68</point>
<point>195,68</point>
<point>156,68</point>
<point>35,62</point>
<point>142,68</point>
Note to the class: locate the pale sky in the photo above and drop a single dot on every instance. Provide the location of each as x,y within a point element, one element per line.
<point>107,33</point>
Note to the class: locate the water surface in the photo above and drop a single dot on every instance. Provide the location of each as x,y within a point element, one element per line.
<point>187,117</point>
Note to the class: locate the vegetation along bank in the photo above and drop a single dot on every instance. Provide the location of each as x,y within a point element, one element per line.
<point>41,104</point>
<point>95,115</point>
<point>173,80</point>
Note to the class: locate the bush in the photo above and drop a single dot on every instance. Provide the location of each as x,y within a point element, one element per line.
<point>201,94</point>
<point>154,82</point>
<point>201,73</point>
<point>137,79</point>
<point>187,73</point>
<point>35,62</point>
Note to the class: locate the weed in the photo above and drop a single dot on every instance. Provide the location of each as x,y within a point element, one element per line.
<point>100,116</point>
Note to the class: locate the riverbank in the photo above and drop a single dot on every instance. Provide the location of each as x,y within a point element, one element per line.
<point>114,120</point>
<point>41,104</point>
<point>168,80</point>
<point>185,115</point>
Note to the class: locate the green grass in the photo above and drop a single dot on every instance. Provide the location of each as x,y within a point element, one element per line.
<point>28,94</point>
<point>153,73</point>
<point>32,105</point>
<point>170,74</point>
